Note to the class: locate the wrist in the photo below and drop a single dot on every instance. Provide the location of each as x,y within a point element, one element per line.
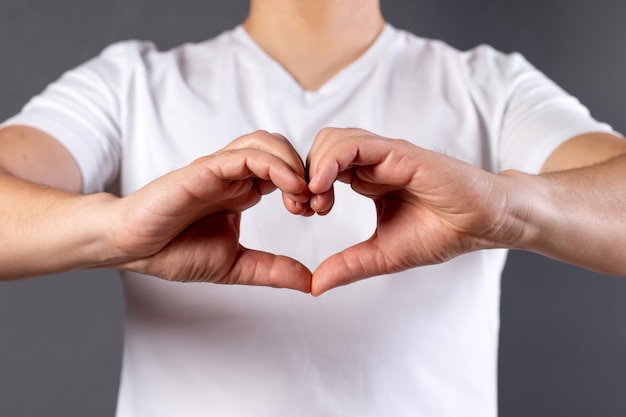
<point>116,244</point>
<point>56,231</point>
<point>98,246</point>
<point>518,229</point>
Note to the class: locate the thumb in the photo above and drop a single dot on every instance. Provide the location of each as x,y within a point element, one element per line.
<point>357,262</point>
<point>259,268</point>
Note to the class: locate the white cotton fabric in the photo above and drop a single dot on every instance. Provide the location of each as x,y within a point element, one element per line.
<point>419,343</point>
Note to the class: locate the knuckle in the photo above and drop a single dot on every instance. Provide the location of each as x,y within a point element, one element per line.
<point>279,137</point>
<point>249,139</point>
<point>259,134</point>
<point>331,133</point>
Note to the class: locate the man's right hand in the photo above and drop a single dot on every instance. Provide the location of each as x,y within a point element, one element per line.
<point>183,226</point>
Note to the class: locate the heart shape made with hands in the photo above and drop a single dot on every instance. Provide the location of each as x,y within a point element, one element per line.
<point>311,240</point>
<point>339,245</point>
<point>428,207</point>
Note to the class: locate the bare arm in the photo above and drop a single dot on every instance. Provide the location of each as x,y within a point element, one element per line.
<point>43,228</point>
<point>35,156</point>
<point>183,226</point>
<point>576,210</point>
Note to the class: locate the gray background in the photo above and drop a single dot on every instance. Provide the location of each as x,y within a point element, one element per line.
<point>563,343</point>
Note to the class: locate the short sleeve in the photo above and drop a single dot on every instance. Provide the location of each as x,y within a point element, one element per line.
<point>82,110</point>
<point>533,115</point>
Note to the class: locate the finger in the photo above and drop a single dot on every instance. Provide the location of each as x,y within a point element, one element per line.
<point>301,208</point>
<point>266,269</point>
<point>323,203</point>
<point>247,163</point>
<point>273,143</point>
<point>373,159</point>
<point>338,150</point>
<point>322,196</point>
<point>265,187</point>
<point>360,261</point>
<point>278,145</point>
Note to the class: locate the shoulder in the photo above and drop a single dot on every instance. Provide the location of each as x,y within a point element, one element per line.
<point>144,56</point>
<point>479,64</point>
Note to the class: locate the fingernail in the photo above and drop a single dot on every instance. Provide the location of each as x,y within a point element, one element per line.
<point>314,201</point>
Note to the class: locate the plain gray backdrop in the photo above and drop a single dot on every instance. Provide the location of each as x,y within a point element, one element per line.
<point>563,339</point>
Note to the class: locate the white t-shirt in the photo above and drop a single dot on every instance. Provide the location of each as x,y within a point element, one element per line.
<point>418,343</point>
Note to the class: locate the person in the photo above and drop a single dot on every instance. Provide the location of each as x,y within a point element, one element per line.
<point>424,163</point>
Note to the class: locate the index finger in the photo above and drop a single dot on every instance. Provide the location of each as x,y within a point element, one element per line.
<point>241,164</point>
<point>273,143</point>
<point>337,150</point>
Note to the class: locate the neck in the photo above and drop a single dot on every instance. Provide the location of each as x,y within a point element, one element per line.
<point>314,39</point>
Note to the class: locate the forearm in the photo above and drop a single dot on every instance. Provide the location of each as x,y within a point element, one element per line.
<point>45,230</point>
<point>577,216</point>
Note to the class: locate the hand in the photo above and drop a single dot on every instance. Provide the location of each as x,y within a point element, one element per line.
<point>184,226</point>
<point>430,207</point>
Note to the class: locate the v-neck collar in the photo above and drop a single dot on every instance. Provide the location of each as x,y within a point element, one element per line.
<point>351,73</point>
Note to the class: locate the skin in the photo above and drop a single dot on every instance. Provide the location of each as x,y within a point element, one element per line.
<point>165,229</point>
<point>431,208</point>
<point>314,39</point>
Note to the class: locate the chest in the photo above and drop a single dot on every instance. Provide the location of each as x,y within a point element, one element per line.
<point>173,122</point>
